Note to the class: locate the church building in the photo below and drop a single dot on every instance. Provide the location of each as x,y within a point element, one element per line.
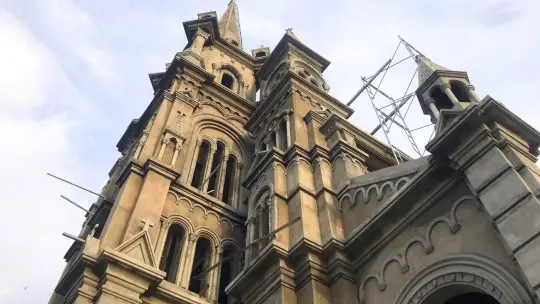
<point>222,198</point>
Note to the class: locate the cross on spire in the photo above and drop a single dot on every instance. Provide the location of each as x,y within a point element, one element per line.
<point>147,223</point>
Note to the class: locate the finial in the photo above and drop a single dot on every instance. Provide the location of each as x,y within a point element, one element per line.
<point>289,30</point>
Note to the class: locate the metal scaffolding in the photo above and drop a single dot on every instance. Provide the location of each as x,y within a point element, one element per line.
<point>398,107</point>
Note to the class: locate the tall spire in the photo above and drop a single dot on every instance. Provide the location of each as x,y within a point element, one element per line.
<point>426,67</point>
<point>229,25</point>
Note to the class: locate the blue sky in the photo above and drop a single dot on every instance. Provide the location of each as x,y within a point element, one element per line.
<point>74,73</point>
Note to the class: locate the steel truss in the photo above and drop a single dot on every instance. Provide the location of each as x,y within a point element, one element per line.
<point>398,107</point>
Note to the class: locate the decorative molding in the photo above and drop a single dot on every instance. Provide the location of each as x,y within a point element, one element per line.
<point>450,220</point>
<point>365,191</point>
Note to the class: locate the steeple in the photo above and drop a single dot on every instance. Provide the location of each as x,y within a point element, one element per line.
<point>440,88</point>
<point>229,25</point>
<point>426,67</point>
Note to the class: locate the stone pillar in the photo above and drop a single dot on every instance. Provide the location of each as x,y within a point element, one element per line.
<point>473,96</point>
<point>162,236</point>
<point>434,110</point>
<point>187,255</point>
<point>164,144</point>
<point>177,149</point>
<point>194,157</point>
<point>208,170</point>
<point>288,126</point>
<point>198,41</point>
<point>212,278</point>
<point>253,235</point>
<point>235,196</point>
<point>221,176</point>
<point>446,89</point>
<point>278,139</point>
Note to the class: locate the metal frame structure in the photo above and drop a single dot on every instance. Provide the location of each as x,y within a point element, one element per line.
<point>398,114</point>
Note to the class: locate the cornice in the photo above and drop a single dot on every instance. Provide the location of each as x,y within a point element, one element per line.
<point>112,256</point>
<point>273,156</point>
<point>132,167</point>
<point>158,167</point>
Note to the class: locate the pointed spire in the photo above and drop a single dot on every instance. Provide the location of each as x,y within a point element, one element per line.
<point>229,25</point>
<point>426,67</point>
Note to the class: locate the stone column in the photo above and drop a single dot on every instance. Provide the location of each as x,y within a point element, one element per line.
<point>177,149</point>
<point>212,278</point>
<point>446,89</point>
<point>278,139</point>
<point>188,252</point>
<point>254,231</point>
<point>164,144</point>
<point>434,110</point>
<point>473,96</point>
<point>288,127</point>
<point>194,157</point>
<point>221,176</point>
<point>162,236</point>
<point>208,170</point>
<point>235,195</point>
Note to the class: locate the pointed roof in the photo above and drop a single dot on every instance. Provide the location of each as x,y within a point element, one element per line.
<point>229,24</point>
<point>426,67</point>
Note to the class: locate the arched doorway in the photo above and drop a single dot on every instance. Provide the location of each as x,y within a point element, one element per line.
<point>460,293</point>
<point>472,298</point>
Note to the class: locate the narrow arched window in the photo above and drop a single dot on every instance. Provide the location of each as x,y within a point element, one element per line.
<point>459,90</point>
<point>198,282</point>
<point>441,99</point>
<point>255,233</point>
<point>227,81</point>
<point>229,181</point>
<point>228,271</point>
<point>170,259</point>
<point>283,132</point>
<point>214,170</point>
<point>265,225</point>
<point>200,165</point>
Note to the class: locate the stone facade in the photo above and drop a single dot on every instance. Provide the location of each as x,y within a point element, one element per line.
<point>207,173</point>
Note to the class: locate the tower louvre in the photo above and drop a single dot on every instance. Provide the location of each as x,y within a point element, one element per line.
<point>207,170</point>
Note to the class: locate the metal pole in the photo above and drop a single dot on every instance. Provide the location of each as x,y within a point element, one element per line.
<point>369,82</point>
<point>80,207</point>
<point>73,184</point>
<point>389,115</point>
<point>211,173</point>
<point>76,239</point>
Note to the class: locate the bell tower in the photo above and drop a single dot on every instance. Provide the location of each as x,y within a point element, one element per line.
<point>442,89</point>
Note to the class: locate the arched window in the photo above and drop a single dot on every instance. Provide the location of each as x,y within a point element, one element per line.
<point>229,181</point>
<point>441,99</point>
<point>200,166</point>
<point>283,130</point>
<point>229,269</point>
<point>260,54</point>
<point>198,282</point>
<point>265,225</point>
<point>170,258</point>
<point>218,158</point>
<point>227,80</point>
<point>459,90</point>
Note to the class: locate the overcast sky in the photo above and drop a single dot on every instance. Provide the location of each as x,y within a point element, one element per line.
<point>74,73</point>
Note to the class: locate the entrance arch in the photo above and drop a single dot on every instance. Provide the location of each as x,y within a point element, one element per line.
<point>461,278</point>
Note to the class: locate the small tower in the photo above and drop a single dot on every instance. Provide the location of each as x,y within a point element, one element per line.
<point>442,89</point>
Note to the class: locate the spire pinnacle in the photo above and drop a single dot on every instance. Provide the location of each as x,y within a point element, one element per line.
<point>426,67</point>
<point>229,25</point>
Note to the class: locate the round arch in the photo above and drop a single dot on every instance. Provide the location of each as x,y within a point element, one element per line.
<point>462,273</point>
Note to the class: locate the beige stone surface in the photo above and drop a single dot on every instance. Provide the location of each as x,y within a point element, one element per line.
<point>208,172</point>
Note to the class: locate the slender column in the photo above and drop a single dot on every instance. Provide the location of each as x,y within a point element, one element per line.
<point>165,223</point>
<point>199,40</point>
<point>473,96</point>
<point>253,232</point>
<point>288,127</point>
<point>185,273</point>
<point>177,149</point>
<point>221,175</point>
<point>433,108</point>
<point>164,143</point>
<point>140,145</point>
<point>260,245</point>
<point>446,89</point>
<point>208,170</point>
<point>278,139</point>
<point>212,276</point>
<point>235,196</point>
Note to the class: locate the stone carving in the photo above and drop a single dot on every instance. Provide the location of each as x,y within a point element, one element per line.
<point>192,206</point>
<point>378,188</point>
<point>401,257</point>
<point>178,125</point>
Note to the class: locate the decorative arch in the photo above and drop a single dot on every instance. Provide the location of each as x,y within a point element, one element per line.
<point>182,221</point>
<point>203,232</point>
<point>469,270</point>
<point>310,74</point>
